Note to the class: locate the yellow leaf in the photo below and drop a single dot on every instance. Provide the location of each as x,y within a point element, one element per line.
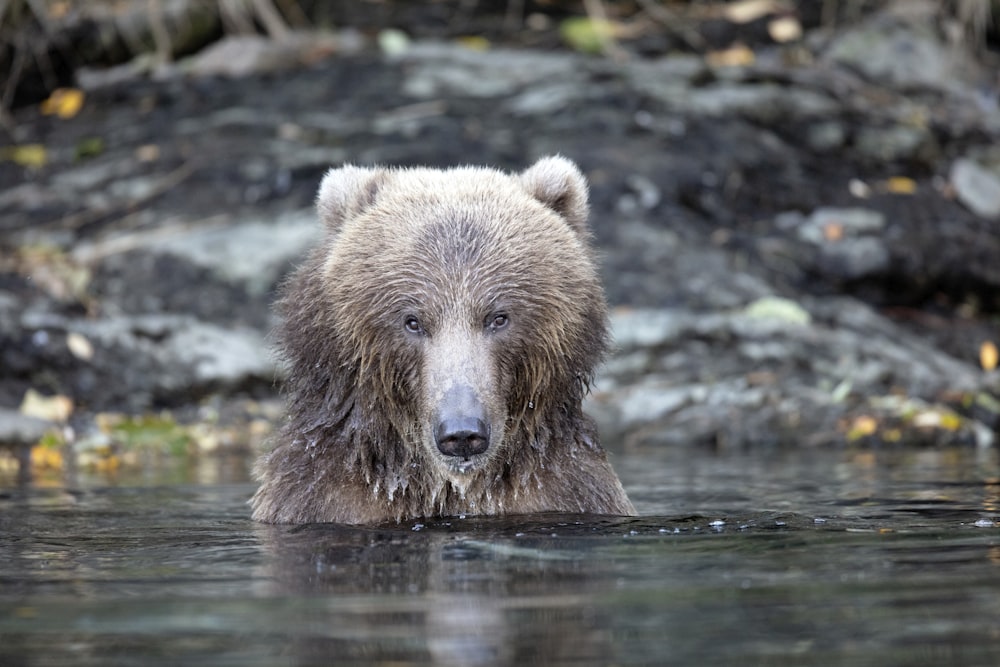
<point>587,35</point>
<point>735,56</point>
<point>988,355</point>
<point>56,408</point>
<point>862,427</point>
<point>26,155</point>
<point>901,185</point>
<point>951,421</point>
<point>474,42</point>
<point>63,102</point>
<point>892,435</point>
<point>46,458</point>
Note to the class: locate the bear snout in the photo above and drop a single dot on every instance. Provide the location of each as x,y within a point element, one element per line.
<point>462,428</point>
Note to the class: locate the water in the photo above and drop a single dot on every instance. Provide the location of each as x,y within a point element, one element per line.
<point>776,558</point>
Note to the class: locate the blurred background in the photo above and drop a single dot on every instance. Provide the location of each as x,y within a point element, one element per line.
<point>797,205</point>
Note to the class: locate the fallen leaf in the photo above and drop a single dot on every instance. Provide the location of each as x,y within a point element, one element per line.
<point>46,458</point>
<point>785,29</point>
<point>862,427</point>
<point>79,346</point>
<point>950,421</point>
<point>63,102</point>
<point>26,155</point>
<point>988,355</point>
<point>901,185</point>
<point>55,408</point>
<point>778,309</point>
<point>833,231</point>
<point>859,188</point>
<point>392,42</point>
<point>89,147</point>
<point>587,35</point>
<point>58,10</point>
<point>736,56</point>
<point>937,418</point>
<point>151,152</point>
<point>474,42</point>
<point>746,11</point>
<point>892,435</point>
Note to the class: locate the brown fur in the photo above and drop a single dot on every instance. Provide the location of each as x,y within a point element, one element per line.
<point>450,250</point>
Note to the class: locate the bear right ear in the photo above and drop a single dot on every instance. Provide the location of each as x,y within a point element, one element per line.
<point>346,192</point>
<point>558,183</point>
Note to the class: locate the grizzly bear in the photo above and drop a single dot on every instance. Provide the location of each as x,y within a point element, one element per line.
<point>438,343</point>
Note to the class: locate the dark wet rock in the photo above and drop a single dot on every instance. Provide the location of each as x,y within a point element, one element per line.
<point>139,362</point>
<point>770,284</point>
<point>772,379</point>
<point>904,48</point>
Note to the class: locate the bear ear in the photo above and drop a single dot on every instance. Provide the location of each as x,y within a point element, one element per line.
<point>558,183</point>
<point>346,192</point>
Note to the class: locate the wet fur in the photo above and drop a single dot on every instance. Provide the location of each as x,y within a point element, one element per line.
<point>452,246</point>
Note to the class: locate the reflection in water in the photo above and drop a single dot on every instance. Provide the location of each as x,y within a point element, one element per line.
<point>461,591</point>
<point>804,558</point>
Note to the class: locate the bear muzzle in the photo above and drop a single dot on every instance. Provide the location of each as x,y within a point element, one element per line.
<point>462,428</point>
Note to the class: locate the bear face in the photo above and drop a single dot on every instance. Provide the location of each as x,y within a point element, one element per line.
<point>439,343</point>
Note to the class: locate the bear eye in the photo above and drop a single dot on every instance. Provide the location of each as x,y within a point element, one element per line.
<point>497,321</point>
<point>412,324</point>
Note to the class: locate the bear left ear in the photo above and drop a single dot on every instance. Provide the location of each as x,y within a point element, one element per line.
<point>558,183</point>
<point>346,192</point>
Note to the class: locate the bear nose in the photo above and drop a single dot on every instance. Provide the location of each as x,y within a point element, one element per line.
<point>462,424</point>
<point>463,437</point>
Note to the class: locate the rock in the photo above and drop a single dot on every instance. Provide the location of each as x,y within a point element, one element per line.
<point>143,360</point>
<point>681,376</point>
<point>901,53</point>
<point>243,55</point>
<point>826,225</point>
<point>19,430</point>
<point>441,70</point>
<point>250,253</point>
<point>893,143</point>
<point>722,209</point>
<point>848,242</point>
<point>976,187</point>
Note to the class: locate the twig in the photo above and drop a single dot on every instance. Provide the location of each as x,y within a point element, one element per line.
<point>672,21</point>
<point>161,35</point>
<point>269,16</point>
<point>93,216</point>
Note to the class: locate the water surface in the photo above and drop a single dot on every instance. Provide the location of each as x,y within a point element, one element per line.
<point>776,558</point>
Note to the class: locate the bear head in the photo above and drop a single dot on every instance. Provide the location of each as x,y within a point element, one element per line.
<point>444,332</point>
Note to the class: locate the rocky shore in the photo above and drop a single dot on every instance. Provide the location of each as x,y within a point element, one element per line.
<point>801,243</point>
